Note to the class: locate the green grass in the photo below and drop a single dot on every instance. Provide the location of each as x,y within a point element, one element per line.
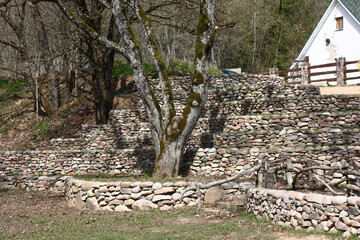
<point>31,215</point>
<point>154,225</point>
<point>42,128</point>
<point>10,89</point>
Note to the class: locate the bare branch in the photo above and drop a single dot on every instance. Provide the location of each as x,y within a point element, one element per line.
<point>11,44</point>
<point>166,87</point>
<point>326,185</point>
<point>88,29</point>
<point>106,4</point>
<point>230,179</point>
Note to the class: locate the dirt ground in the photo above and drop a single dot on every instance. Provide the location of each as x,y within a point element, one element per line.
<point>348,90</point>
<point>29,215</point>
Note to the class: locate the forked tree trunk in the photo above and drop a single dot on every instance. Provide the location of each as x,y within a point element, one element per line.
<point>170,131</point>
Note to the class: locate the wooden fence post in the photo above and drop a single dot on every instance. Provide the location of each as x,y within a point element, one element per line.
<point>340,71</point>
<point>305,72</point>
<point>273,72</point>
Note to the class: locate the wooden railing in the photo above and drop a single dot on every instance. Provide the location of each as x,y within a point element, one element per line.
<point>307,74</point>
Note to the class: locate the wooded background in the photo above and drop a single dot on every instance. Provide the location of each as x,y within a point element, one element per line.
<point>39,42</point>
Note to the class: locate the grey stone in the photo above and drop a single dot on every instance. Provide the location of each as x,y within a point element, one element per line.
<point>135,195</point>
<point>157,185</point>
<point>214,194</point>
<point>136,189</point>
<point>78,202</point>
<point>338,200</point>
<point>324,226</point>
<point>125,191</point>
<point>122,208</point>
<point>157,198</point>
<point>230,185</point>
<point>353,211</point>
<point>176,196</point>
<point>189,193</point>
<point>341,226</point>
<point>143,204</point>
<point>92,203</point>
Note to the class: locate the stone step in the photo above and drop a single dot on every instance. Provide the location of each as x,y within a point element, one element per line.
<point>226,205</point>
<point>238,199</point>
<point>217,212</point>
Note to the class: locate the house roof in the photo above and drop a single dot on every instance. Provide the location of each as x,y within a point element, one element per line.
<point>353,6</point>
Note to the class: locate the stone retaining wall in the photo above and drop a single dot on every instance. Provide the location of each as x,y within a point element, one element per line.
<point>35,183</point>
<point>288,208</point>
<point>306,210</point>
<point>123,196</point>
<point>76,162</point>
<point>246,118</point>
<point>127,196</point>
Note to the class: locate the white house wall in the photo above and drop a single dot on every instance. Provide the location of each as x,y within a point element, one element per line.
<point>345,43</point>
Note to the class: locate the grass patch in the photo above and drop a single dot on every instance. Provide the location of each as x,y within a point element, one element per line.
<point>42,128</point>
<point>10,89</point>
<point>155,225</point>
<point>27,215</point>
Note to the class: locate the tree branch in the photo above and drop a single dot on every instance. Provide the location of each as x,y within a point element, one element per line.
<point>166,87</point>
<point>88,29</point>
<point>219,182</point>
<point>106,4</point>
<point>325,184</point>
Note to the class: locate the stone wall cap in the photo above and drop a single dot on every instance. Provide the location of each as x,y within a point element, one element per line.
<point>339,200</point>
<point>354,201</point>
<point>277,193</point>
<point>316,198</point>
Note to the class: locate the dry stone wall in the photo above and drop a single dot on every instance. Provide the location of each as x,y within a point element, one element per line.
<point>75,162</point>
<point>311,211</point>
<point>246,118</point>
<point>306,210</point>
<point>124,196</point>
<point>53,184</point>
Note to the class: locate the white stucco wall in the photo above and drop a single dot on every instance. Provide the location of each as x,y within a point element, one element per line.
<point>345,43</point>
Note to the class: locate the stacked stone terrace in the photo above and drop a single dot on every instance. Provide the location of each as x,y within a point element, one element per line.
<point>247,117</point>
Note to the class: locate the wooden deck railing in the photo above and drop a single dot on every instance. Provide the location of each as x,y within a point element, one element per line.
<point>306,74</point>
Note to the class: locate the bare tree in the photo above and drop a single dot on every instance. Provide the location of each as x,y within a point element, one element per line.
<point>15,15</point>
<point>170,132</point>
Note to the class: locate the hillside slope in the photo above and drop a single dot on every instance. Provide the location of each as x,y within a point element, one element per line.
<point>19,128</point>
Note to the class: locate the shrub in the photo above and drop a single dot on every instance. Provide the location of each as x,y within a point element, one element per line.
<point>121,68</point>
<point>213,70</point>
<point>175,67</point>
<point>178,67</point>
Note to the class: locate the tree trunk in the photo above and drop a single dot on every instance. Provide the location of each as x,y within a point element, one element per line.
<point>168,159</point>
<point>170,131</point>
<point>102,100</point>
<point>50,75</point>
